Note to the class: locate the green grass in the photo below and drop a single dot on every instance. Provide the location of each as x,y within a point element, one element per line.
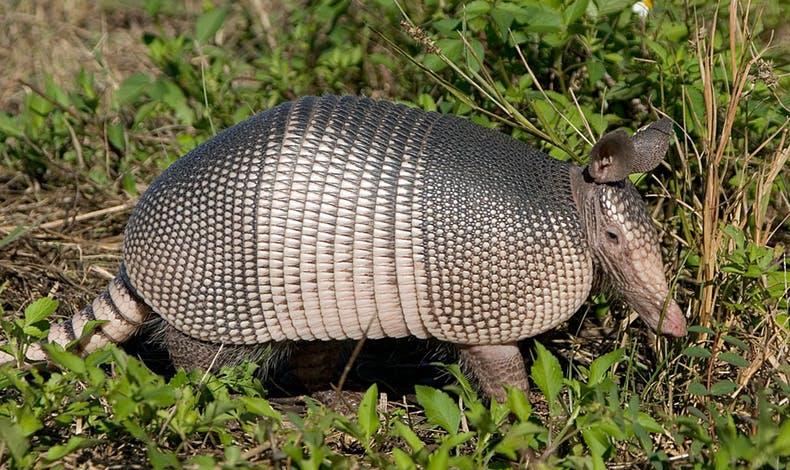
<point>78,146</point>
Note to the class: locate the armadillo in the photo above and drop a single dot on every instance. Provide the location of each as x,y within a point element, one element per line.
<point>340,218</point>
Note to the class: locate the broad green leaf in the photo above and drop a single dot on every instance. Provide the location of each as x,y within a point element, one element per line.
<point>782,443</point>
<point>723,387</point>
<point>476,8</point>
<point>701,329</point>
<point>696,351</point>
<point>547,374</point>
<point>409,436</point>
<point>503,15</point>
<point>649,423</point>
<point>439,459</point>
<point>74,443</point>
<point>733,359</point>
<point>696,388</point>
<point>598,442</point>
<point>115,135</point>
<point>368,417</point>
<point>519,404</point>
<point>575,11</point>
<point>520,436</point>
<point>403,460</point>
<point>9,126</point>
<point>542,21</point>
<point>90,326</point>
<point>162,396</point>
<point>209,23</point>
<point>39,310</point>
<point>159,459</point>
<point>132,88</point>
<point>66,359</point>
<point>601,366</point>
<point>260,407</point>
<point>440,409</point>
<point>735,341</point>
<point>129,184</point>
<point>15,441</point>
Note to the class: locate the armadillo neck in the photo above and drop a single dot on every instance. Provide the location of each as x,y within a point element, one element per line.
<point>334,218</point>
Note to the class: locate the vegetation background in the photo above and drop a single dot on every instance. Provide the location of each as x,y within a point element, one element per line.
<point>96,98</point>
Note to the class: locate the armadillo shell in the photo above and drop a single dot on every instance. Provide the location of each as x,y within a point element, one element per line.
<point>333,218</point>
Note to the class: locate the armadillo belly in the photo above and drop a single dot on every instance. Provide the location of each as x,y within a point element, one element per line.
<point>336,218</point>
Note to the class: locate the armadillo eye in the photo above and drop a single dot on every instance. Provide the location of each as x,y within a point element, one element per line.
<point>612,236</point>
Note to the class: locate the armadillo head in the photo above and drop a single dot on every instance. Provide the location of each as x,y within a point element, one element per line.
<point>620,232</point>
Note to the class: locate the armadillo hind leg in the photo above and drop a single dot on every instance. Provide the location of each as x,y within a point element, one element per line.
<point>193,354</point>
<point>493,366</point>
<point>122,312</point>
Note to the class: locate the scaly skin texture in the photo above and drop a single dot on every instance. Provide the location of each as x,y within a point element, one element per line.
<point>342,218</point>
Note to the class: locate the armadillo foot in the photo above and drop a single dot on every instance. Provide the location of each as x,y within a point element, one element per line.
<point>494,366</point>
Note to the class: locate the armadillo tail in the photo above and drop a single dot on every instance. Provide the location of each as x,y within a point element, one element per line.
<point>122,312</point>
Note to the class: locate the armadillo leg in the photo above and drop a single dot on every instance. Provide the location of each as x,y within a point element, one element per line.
<point>190,353</point>
<point>494,366</point>
<point>314,363</point>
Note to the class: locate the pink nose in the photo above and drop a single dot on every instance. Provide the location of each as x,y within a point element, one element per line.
<point>674,323</point>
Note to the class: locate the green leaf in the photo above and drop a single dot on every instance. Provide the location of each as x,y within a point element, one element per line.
<point>261,407</point>
<point>649,423</point>
<point>209,23</point>
<point>696,351</point>
<point>90,326</point>
<point>782,443</point>
<point>696,388</point>
<point>733,359</point>
<point>129,184</point>
<point>18,231</point>
<point>403,460</point>
<point>503,15</point>
<point>368,417</point>
<point>161,459</point>
<point>132,88</point>
<point>723,387</point>
<point>409,436</point>
<point>9,126</point>
<point>115,135</point>
<point>66,359</point>
<point>601,366</point>
<point>74,443</point>
<point>476,8</point>
<point>439,459</point>
<point>547,374</point>
<point>597,440</point>
<point>14,439</point>
<point>519,404</point>
<point>701,329</point>
<point>519,437</point>
<point>575,11</point>
<point>543,21</point>
<point>735,342</point>
<point>440,409</point>
<point>39,310</point>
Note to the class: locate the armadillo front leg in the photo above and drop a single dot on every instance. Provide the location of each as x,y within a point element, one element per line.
<point>494,366</point>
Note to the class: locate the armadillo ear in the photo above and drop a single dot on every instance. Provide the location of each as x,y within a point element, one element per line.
<point>612,157</point>
<point>651,144</point>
